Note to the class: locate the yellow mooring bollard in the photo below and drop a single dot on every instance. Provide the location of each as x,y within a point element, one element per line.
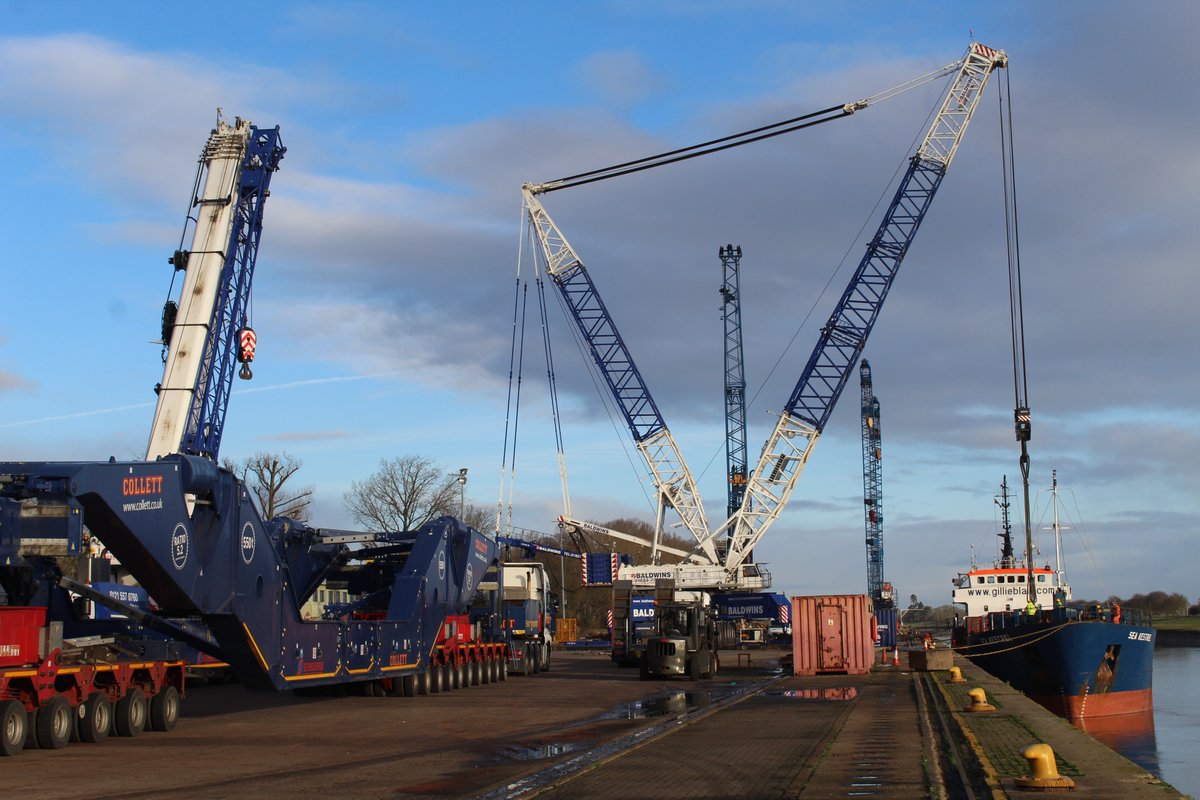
<point>1045,770</point>
<point>956,675</point>
<point>979,701</point>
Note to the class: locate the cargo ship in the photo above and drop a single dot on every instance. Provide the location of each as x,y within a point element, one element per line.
<point>1079,663</point>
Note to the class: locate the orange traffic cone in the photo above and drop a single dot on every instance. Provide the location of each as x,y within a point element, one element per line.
<point>896,657</point>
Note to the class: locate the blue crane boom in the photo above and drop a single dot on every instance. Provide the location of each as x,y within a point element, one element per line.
<point>735,376</point>
<point>872,449</point>
<point>209,334</point>
<point>845,335</point>
<point>674,485</point>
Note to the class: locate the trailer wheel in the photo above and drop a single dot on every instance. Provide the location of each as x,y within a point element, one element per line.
<point>54,724</point>
<point>129,715</point>
<point>502,669</point>
<point>95,718</point>
<point>14,724</point>
<point>164,709</point>
<point>422,682</point>
<point>408,685</point>
<point>693,669</point>
<point>546,659</point>
<point>436,678</point>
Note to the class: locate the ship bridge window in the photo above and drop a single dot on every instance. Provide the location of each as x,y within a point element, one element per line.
<point>1012,579</point>
<point>1041,578</point>
<point>991,578</point>
<point>979,579</point>
<point>1020,579</point>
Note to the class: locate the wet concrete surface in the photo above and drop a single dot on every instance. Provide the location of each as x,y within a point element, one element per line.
<point>232,743</point>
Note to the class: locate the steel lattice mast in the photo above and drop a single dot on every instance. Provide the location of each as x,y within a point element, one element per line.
<point>844,336</point>
<point>872,484</point>
<point>674,485</point>
<point>735,377</point>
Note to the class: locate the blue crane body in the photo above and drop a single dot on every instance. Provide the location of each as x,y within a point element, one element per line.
<point>247,579</point>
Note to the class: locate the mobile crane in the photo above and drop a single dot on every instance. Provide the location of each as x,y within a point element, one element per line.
<point>821,382</point>
<point>189,533</point>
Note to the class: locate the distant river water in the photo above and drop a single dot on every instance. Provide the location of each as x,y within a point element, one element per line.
<point>1167,741</point>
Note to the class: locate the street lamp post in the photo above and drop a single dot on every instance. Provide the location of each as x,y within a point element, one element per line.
<point>462,491</point>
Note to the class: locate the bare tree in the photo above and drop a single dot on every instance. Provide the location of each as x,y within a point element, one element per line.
<point>403,495</point>
<point>265,474</point>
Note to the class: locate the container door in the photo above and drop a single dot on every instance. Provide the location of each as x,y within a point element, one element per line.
<point>832,653</point>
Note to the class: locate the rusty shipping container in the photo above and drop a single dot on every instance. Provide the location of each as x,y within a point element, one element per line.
<point>832,634</point>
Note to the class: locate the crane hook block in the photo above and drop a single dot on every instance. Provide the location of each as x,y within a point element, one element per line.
<point>247,341</point>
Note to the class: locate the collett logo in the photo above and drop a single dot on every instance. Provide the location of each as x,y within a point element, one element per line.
<point>139,485</point>
<point>179,546</point>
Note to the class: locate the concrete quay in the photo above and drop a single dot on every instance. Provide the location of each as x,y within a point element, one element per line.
<point>894,733</point>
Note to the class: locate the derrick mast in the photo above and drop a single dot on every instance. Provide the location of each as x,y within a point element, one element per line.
<point>735,377</point>
<point>879,591</point>
<point>207,333</point>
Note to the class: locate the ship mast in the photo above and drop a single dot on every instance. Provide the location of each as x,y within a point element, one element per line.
<point>1007,560</point>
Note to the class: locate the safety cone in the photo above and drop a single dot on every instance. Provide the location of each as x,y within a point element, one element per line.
<point>896,657</point>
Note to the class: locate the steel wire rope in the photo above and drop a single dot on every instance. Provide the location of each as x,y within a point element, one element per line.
<point>508,409</point>
<point>742,138</point>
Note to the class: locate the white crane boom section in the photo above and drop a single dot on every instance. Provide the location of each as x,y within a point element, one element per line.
<point>673,482</point>
<point>222,157</point>
<point>789,446</point>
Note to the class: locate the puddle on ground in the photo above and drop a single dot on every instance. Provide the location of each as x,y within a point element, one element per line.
<point>665,705</point>
<point>848,693</point>
<point>538,752</point>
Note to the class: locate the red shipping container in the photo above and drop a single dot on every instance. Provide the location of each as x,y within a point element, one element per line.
<point>833,634</point>
<point>20,627</point>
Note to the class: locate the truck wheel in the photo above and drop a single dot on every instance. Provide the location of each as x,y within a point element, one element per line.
<point>95,718</point>
<point>485,671</point>
<point>435,679</point>
<point>14,723</point>
<point>527,663</point>
<point>546,659</point>
<point>473,670</point>
<point>54,723</point>
<point>129,715</point>
<point>423,682</point>
<point>164,709</point>
<point>502,669</point>
<point>408,686</point>
<point>694,669</point>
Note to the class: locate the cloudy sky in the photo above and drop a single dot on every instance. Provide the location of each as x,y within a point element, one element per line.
<point>385,286</point>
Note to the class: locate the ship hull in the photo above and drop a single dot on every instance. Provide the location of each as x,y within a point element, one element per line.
<point>1077,669</point>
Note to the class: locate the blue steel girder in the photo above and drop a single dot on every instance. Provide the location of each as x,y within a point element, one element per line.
<point>735,378</point>
<point>872,483</point>
<point>845,334</point>
<point>206,421</point>
<point>609,352</point>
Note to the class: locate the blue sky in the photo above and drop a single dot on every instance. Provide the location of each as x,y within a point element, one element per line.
<point>384,291</point>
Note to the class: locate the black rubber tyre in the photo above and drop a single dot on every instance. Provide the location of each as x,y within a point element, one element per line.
<point>436,679</point>
<point>14,725</point>
<point>546,659</point>
<point>423,681</point>
<point>54,723</point>
<point>408,685</point>
<point>164,710</point>
<point>503,670</point>
<point>130,712</point>
<point>94,719</point>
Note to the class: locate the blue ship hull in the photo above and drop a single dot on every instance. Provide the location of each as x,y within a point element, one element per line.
<point>1078,669</point>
